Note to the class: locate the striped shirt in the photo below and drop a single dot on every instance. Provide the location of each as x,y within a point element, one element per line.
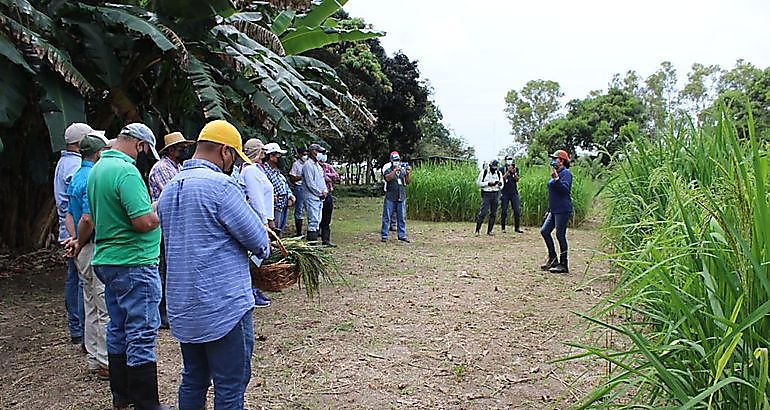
<point>208,228</point>
<point>160,174</point>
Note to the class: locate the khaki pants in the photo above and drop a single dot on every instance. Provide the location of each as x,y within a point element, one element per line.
<point>96,317</point>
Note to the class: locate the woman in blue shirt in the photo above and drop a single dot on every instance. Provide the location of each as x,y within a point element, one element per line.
<point>559,212</point>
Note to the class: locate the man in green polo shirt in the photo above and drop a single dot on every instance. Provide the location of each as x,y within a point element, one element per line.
<point>127,246</point>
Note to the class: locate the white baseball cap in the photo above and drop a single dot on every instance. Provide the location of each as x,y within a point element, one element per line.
<point>273,147</point>
<point>76,131</point>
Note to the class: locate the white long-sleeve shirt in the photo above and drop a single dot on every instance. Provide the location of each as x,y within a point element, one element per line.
<point>313,178</point>
<point>259,191</point>
<point>491,176</point>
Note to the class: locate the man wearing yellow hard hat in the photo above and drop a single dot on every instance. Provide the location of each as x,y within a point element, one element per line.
<point>208,228</point>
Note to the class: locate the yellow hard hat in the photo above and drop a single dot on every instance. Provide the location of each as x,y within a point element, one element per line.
<point>222,132</point>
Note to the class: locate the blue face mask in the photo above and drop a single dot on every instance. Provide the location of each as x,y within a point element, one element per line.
<point>322,157</point>
<point>553,163</point>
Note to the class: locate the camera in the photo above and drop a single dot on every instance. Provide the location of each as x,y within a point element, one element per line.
<point>404,165</point>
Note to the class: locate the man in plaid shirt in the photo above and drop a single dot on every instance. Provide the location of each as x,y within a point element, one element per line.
<point>283,196</point>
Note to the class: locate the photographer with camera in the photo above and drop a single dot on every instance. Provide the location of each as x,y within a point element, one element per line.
<point>559,212</point>
<point>397,176</point>
<point>510,195</point>
<point>490,181</point>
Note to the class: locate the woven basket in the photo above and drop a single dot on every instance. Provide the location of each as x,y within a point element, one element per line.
<point>275,276</point>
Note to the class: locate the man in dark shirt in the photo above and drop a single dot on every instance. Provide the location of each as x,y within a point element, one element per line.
<point>397,177</point>
<point>510,195</point>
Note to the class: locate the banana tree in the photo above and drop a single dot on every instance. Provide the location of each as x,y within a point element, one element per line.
<point>316,28</point>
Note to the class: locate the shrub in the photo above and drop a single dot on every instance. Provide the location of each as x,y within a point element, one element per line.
<point>448,192</point>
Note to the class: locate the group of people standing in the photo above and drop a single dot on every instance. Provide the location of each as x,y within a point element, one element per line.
<point>502,183</point>
<point>203,211</point>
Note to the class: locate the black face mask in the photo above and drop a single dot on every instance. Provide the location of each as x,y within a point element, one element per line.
<point>185,153</point>
<point>142,159</point>
<point>229,170</point>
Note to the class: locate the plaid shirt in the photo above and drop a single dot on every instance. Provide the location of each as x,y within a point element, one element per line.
<point>160,174</point>
<point>279,185</point>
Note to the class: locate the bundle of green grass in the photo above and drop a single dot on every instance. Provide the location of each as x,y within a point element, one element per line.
<point>448,192</point>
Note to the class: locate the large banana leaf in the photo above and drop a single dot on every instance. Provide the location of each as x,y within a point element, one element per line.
<point>40,21</point>
<point>206,88</point>
<point>9,51</point>
<point>61,105</point>
<point>99,53</point>
<point>194,9</point>
<point>57,59</point>
<point>319,13</point>
<point>305,38</point>
<point>12,99</point>
<point>120,16</point>
<point>282,22</point>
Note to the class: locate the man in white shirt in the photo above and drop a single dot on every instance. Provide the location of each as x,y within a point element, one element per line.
<point>490,181</point>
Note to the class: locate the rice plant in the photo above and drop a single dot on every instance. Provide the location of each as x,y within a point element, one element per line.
<point>448,192</point>
<point>689,219</point>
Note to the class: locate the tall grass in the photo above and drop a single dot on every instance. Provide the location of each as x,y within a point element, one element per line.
<point>688,215</point>
<point>448,193</point>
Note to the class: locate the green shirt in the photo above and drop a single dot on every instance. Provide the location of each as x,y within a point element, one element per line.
<point>117,194</point>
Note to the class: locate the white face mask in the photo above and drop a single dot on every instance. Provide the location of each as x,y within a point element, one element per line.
<point>396,164</point>
<point>509,162</point>
<point>304,157</point>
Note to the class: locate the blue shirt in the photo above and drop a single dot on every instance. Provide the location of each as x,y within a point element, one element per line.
<point>78,195</point>
<point>313,177</point>
<point>207,229</point>
<point>66,167</point>
<point>559,193</point>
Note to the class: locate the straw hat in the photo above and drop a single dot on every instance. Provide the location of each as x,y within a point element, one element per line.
<point>173,139</point>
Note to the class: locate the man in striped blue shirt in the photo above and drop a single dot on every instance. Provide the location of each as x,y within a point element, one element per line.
<point>208,228</point>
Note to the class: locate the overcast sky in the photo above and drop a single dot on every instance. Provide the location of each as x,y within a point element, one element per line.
<point>473,52</point>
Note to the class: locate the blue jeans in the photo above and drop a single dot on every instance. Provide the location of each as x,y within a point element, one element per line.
<point>132,294</point>
<point>299,204</point>
<point>387,211</point>
<point>558,222</point>
<point>73,300</point>
<point>314,207</point>
<point>227,361</point>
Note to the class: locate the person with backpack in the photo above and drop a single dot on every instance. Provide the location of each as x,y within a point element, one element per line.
<point>490,181</point>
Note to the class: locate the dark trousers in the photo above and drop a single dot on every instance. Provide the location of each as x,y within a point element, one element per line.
<point>559,223</point>
<point>326,217</point>
<point>162,272</point>
<point>226,361</point>
<point>488,206</point>
<point>513,200</point>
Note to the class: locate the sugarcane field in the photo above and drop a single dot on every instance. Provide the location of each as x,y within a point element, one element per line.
<point>334,204</point>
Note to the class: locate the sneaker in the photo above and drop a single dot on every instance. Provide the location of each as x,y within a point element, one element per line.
<point>502,230</point>
<point>404,240</point>
<point>477,233</point>
<point>260,300</point>
<point>102,373</point>
<point>384,240</point>
<point>490,234</point>
<point>518,231</point>
<point>559,269</point>
<point>76,340</point>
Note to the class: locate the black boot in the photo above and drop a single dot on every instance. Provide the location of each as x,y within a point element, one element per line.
<point>326,234</point>
<point>552,261</point>
<point>298,227</point>
<point>143,383</point>
<point>518,226</point>
<point>312,236</point>
<point>478,227</point>
<point>119,380</point>
<point>561,267</point>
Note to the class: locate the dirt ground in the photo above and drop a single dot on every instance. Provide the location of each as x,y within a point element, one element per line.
<point>450,321</point>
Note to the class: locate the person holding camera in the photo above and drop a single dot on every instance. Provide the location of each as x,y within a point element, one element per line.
<point>397,176</point>
<point>510,195</point>
<point>490,181</point>
<point>559,212</point>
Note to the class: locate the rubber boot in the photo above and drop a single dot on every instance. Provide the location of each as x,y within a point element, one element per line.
<point>298,227</point>
<point>119,381</point>
<point>143,384</point>
<point>326,234</point>
<point>312,236</point>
